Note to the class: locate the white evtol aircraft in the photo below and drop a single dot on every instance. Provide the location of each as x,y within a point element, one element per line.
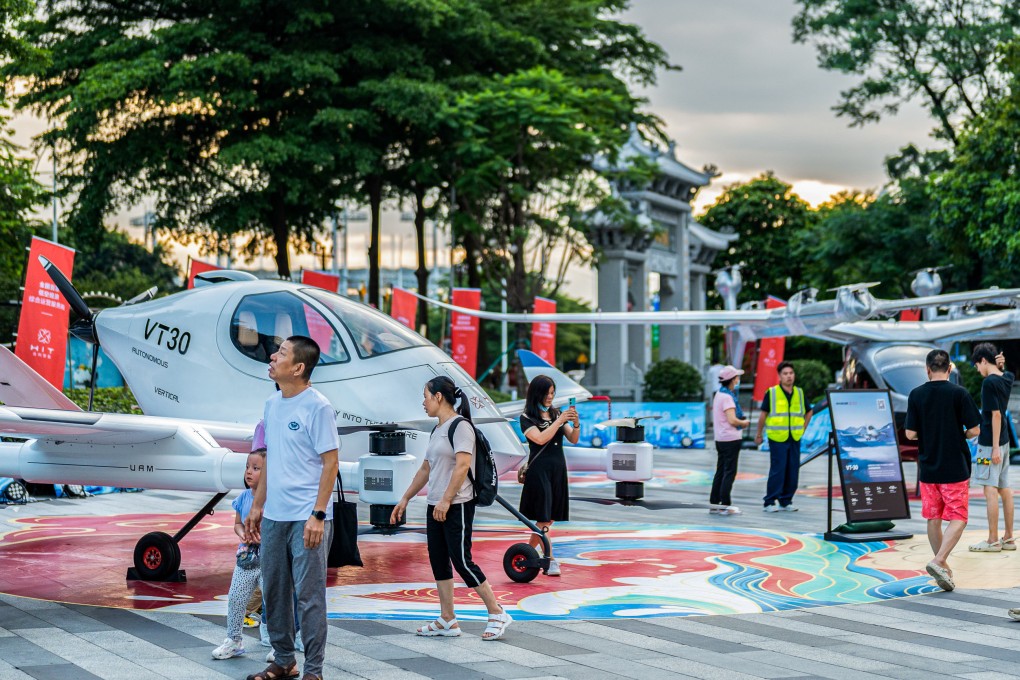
<point>197,363</point>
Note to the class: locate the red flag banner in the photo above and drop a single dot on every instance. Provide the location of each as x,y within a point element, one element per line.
<point>543,334</point>
<point>198,267</point>
<point>330,282</point>
<point>42,328</point>
<point>770,353</point>
<point>404,307</point>
<point>910,315</point>
<point>464,329</point>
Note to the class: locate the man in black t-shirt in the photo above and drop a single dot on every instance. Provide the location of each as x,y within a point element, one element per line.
<point>940,416</point>
<point>992,469</point>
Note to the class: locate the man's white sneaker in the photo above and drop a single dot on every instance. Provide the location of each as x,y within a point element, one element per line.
<point>554,568</point>
<point>228,650</point>
<point>770,508</point>
<point>270,657</point>
<point>788,508</point>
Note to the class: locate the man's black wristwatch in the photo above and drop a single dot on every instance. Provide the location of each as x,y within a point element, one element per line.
<point>319,515</point>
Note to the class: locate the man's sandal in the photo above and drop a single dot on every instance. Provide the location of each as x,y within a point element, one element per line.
<point>497,625</point>
<point>275,671</point>
<point>440,628</point>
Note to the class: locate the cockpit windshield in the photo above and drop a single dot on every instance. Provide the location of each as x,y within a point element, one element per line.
<point>263,321</point>
<point>902,367</point>
<point>374,333</point>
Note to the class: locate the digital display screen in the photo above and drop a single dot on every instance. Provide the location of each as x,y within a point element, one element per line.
<point>868,455</point>
<point>625,461</point>
<point>378,480</point>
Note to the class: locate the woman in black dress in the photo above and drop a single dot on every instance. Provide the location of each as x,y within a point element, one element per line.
<point>545,497</point>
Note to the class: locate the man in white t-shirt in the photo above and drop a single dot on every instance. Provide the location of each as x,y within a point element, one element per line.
<point>292,513</point>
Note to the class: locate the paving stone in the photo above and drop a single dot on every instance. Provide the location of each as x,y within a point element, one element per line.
<point>59,672</point>
<point>18,652</point>
<point>366,628</point>
<point>709,642</point>
<point>506,670</point>
<point>14,619</point>
<point>437,668</point>
<point>151,631</point>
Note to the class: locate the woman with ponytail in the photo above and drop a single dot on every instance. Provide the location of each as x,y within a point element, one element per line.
<point>451,509</point>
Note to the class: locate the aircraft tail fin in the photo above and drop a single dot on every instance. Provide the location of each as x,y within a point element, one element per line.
<point>21,386</point>
<point>534,365</point>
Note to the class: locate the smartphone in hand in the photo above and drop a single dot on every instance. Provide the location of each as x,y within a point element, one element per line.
<point>573,402</point>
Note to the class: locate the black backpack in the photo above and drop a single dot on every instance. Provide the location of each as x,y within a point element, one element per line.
<point>485,479</point>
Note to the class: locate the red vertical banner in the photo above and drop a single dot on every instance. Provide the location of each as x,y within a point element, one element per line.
<point>770,353</point>
<point>464,329</point>
<point>45,314</point>
<point>910,315</point>
<point>543,333</point>
<point>330,282</point>
<point>404,307</point>
<point>198,267</point>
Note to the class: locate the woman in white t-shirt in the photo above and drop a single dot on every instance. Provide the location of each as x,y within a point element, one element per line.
<point>727,422</point>
<point>451,509</point>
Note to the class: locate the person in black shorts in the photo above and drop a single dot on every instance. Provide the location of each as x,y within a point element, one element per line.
<point>545,498</point>
<point>992,469</point>
<point>449,457</point>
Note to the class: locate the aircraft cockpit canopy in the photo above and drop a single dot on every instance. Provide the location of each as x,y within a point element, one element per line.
<point>374,333</point>
<point>262,321</point>
<point>902,366</point>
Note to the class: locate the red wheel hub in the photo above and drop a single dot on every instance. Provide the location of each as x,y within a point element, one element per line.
<point>152,557</point>
<point>518,563</point>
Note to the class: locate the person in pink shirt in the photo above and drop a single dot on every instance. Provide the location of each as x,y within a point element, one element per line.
<point>727,422</point>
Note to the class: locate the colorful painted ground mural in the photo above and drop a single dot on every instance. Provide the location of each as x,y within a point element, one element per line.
<point>610,570</point>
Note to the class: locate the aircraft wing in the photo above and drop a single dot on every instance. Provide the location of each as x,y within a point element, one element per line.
<point>22,386</point>
<point>986,326</point>
<point>1008,297</point>
<point>112,449</point>
<point>803,315</point>
<point>84,427</point>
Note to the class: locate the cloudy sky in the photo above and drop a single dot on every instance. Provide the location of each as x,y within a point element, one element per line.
<point>749,100</point>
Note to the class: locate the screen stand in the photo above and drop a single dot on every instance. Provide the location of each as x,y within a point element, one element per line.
<point>844,537</point>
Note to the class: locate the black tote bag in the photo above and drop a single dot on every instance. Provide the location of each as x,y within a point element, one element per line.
<point>343,551</point>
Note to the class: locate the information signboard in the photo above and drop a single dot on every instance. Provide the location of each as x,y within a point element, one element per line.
<point>868,456</point>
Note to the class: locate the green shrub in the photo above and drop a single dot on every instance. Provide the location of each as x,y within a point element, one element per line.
<point>497,396</point>
<point>107,400</point>
<point>970,379</point>
<point>673,380</point>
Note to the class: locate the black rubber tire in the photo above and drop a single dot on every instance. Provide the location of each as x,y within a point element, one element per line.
<point>74,491</point>
<point>512,559</point>
<point>157,556</point>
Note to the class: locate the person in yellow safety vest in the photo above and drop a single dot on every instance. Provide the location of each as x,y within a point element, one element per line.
<point>785,414</point>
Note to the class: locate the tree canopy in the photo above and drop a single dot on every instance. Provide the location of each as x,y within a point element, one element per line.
<point>771,220</point>
<point>942,53</point>
<point>977,198</point>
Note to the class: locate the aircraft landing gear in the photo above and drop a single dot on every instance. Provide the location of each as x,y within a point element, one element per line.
<point>158,554</point>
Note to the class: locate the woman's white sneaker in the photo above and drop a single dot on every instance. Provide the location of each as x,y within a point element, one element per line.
<point>554,568</point>
<point>228,650</point>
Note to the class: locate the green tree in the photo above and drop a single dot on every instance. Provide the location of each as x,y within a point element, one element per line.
<point>223,111</point>
<point>941,52</point>
<point>860,237</point>
<point>119,266</point>
<point>977,200</point>
<point>771,220</point>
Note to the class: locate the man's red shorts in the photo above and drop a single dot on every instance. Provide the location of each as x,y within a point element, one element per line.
<point>945,501</point>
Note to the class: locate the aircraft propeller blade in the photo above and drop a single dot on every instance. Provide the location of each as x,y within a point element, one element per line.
<point>69,292</point>
<point>144,296</point>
